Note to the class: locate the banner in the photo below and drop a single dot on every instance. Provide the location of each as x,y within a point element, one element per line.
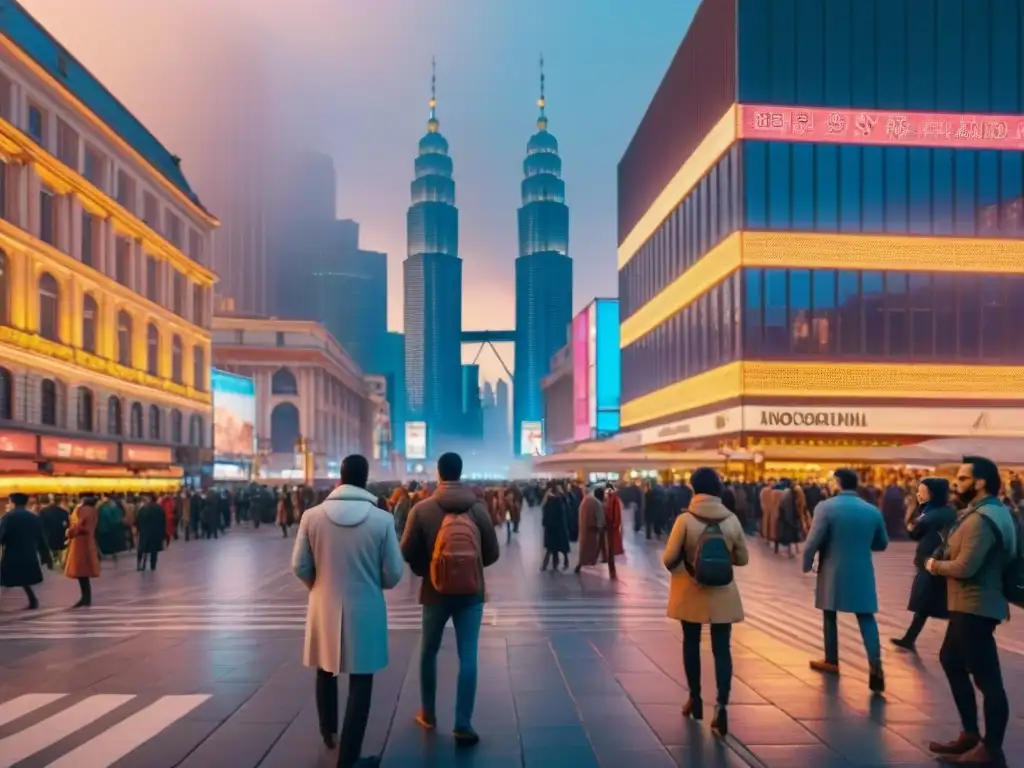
<point>415,440</point>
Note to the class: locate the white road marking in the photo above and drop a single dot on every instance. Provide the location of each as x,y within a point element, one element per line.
<point>23,705</point>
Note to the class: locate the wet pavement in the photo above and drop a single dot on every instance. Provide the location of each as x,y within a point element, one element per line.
<point>199,664</point>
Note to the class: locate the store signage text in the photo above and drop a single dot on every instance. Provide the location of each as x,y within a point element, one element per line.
<point>147,454</point>
<point>814,419</point>
<point>17,442</point>
<point>909,129</point>
<point>82,450</point>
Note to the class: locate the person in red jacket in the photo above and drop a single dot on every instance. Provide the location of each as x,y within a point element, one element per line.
<point>612,544</point>
<point>170,521</point>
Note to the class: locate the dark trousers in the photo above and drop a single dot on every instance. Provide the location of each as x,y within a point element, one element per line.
<point>357,713</point>
<point>914,630</point>
<point>86,588</point>
<point>969,651</point>
<point>868,632</point>
<point>141,562</point>
<point>607,555</point>
<point>31,595</point>
<point>721,648</point>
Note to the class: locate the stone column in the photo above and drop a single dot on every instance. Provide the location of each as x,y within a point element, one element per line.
<point>74,215</point>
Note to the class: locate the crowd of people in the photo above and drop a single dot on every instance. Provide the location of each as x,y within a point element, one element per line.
<point>352,544</point>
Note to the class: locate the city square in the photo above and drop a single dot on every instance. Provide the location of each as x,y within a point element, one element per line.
<point>574,670</point>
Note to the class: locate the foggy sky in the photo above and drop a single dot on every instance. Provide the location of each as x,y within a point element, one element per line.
<point>351,78</point>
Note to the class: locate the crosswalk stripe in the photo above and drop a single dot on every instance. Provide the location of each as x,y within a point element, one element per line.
<point>132,732</point>
<point>23,705</point>
<point>26,743</point>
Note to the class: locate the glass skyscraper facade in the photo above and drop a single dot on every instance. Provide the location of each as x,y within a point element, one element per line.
<point>543,275</point>
<point>433,295</point>
<point>841,186</point>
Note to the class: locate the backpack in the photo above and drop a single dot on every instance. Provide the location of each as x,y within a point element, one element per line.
<point>712,566</point>
<point>455,564</point>
<point>1013,575</point>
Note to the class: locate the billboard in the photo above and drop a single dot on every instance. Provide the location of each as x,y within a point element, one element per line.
<point>580,375</point>
<point>234,415</point>
<point>415,440</point>
<point>531,438</point>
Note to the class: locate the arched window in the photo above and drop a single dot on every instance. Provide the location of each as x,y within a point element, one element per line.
<point>48,402</point>
<point>200,374</point>
<point>86,409</point>
<point>152,350</point>
<point>90,316</point>
<point>177,361</point>
<point>6,395</point>
<point>5,288</point>
<point>115,422</point>
<point>154,422</point>
<point>136,422</point>
<point>176,426</point>
<point>284,383</point>
<point>284,428</point>
<point>49,307</point>
<point>195,431</point>
<point>124,339</point>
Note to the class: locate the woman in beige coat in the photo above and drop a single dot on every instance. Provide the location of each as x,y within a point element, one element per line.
<point>694,604</point>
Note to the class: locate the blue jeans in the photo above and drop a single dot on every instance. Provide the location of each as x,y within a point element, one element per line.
<point>467,618</point>
<point>868,631</point>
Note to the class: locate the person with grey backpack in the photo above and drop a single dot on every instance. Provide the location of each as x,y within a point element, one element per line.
<point>706,543</point>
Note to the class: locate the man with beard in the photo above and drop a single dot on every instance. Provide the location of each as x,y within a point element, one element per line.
<point>979,548</point>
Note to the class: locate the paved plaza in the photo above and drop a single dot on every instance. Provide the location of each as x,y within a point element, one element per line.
<point>199,665</point>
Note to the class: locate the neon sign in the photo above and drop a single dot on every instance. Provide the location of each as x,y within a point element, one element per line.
<point>881,128</point>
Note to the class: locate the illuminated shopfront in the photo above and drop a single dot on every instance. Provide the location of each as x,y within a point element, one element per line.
<point>828,228</point>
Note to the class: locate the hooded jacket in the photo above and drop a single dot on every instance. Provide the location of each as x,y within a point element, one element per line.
<point>424,523</point>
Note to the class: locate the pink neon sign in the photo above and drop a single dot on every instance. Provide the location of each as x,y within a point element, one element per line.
<point>581,376</point>
<point>882,128</point>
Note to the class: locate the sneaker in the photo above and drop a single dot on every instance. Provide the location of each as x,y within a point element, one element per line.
<point>425,721</point>
<point>825,667</point>
<point>964,744</point>
<point>466,737</point>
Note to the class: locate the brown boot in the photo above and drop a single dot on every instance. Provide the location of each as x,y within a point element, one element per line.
<point>964,744</point>
<point>826,667</point>
<point>977,755</point>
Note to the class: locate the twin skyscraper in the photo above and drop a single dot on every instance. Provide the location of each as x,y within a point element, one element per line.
<point>434,413</point>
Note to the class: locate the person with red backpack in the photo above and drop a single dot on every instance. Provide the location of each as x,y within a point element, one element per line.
<point>449,539</point>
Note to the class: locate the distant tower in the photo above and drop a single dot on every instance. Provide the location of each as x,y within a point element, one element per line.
<point>433,292</point>
<point>543,272</point>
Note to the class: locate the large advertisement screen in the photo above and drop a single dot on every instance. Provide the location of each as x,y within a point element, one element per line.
<point>581,375</point>
<point>532,438</point>
<point>234,414</point>
<point>415,440</point>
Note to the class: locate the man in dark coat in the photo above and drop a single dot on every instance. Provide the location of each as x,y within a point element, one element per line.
<point>24,545</point>
<point>55,520</point>
<point>152,530</point>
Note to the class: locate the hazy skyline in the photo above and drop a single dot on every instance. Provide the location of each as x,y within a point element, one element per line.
<point>351,78</point>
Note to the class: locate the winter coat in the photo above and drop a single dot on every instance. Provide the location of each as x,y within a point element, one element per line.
<point>613,519</point>
<point>347,550</point>
<point>152,528</point>
<point>112,535</point>
<point>845,531</point>
<point>554,511</point>
<point>83,555</point>
<point>24,544</point>
<point>55,520</point>
<point>592,526</point>
<point>421,531</point>
<point>928,592</point>
<point>687,600</point>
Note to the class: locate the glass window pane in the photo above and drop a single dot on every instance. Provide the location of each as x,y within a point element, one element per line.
<point>755,184</point>
<point>837,56</point>
<point>1011,217</point>
<point>801,341</point>
<point>803,187</point>
<point>969,316</point>
<point>780,190</point>
<point>920,175</point>
<point>909,40</point>
<point>922,323</point>
<point>850,188</point>
<point>783,51</point>
<point>810,53</point>
<point>895,189</point>
<point>752,309</point>
<point>944,288</point>
<point>873,292</point>
<point>966,192</point>
<point>897,311</point>
<point>863,39</point>
<point>892,70</point>
<point>949,64</point>
<point>873,192</point>
<point>826,168</point>
<point>993,317</point>
<point>823,311</point>
<point>776,318</point>
<point>988,194</point>
<point>1006,91</point>
<point>848,305</point>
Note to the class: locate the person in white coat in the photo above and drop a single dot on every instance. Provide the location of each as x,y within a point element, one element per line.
<point>347,554</point>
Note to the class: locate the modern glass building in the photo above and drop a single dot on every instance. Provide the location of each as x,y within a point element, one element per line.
<point>433,294</point>
<point>543,274</point>
<point>822,214</point>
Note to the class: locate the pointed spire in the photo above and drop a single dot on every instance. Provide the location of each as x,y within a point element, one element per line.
<point>542,120</point>
<point>432,123</point>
